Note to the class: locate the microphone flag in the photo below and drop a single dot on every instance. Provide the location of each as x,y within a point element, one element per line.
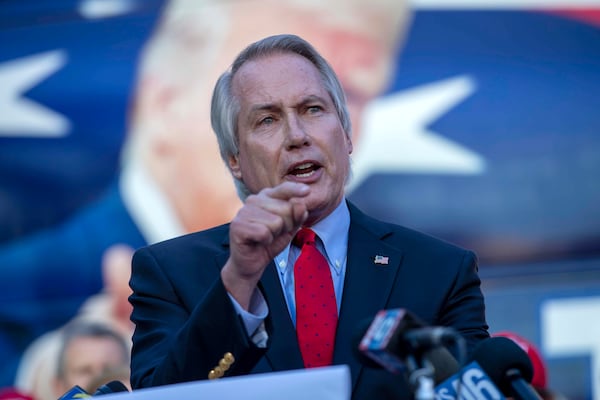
<point>76,392</point>
<point>470,383</point>
<point>382,340</point>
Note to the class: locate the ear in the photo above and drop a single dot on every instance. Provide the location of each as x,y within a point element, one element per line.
<point>234,166</point>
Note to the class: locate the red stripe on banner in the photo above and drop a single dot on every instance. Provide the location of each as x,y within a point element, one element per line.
<point>588,16</point>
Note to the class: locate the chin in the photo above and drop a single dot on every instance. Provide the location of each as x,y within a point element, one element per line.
<point>317,210</point>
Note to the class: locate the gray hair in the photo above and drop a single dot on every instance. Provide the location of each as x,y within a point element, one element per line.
<point>225,106</point>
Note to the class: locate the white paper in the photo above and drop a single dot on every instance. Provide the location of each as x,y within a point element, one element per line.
<point>330,383</point>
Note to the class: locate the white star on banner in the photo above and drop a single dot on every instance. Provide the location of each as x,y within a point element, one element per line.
<point>395,136</point>
<point>23,117</point>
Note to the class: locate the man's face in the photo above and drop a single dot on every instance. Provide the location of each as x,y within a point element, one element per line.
<point>289,130</point>
<point>86,358</point>
<point>361,54</point>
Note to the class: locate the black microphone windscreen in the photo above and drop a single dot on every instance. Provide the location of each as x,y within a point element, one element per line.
<point>498,355</point>
<point>111,387</point>
<point>444,363</point>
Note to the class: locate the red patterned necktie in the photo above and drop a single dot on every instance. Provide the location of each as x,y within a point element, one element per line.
<point>316,309</point>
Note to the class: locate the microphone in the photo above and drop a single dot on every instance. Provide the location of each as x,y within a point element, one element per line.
<point>444,363</point>
<point>76,392</point>
<point>111,387</point>
<point>508,366</point>
<point>471,382</point>
<point>400,342</point>
<point>396,336</point>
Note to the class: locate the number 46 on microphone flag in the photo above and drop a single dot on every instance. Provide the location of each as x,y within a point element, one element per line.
<point>470,383</point>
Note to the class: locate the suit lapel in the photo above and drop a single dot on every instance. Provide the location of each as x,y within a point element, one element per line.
<point>367,285</point>
<point>283,353</point>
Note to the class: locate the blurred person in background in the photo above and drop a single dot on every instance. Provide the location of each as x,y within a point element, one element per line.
<point>121,374</point>
<point>87,351</point>
<point>110,308</point>
<point>172,179</point>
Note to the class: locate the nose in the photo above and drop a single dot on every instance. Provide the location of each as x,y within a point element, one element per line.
<point>296,134</point>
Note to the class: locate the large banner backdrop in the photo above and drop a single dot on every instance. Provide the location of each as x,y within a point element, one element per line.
<point>474,121</point>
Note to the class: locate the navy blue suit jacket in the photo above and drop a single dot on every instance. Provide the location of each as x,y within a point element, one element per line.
<point>185,321</point>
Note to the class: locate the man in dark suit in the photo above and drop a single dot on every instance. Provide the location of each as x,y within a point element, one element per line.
<point>227,296</point>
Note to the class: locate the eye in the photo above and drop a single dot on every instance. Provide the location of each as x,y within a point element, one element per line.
<point>314,109</point>
<point>266,121</point>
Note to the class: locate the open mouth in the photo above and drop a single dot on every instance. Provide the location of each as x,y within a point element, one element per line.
<point>304,170</point>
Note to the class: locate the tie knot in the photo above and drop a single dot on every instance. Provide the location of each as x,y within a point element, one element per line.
<point>304,236</point>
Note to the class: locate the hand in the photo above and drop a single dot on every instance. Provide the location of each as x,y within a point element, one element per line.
<point>262,228</point>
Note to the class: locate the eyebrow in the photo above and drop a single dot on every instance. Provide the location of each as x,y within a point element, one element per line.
<point>311,98</point>
<point>273,106</point>
<point>263,107</point>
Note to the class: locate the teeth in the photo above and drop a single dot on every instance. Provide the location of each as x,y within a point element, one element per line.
<point>307,174</point>
<point>304,166</point>
<point>304,170</point>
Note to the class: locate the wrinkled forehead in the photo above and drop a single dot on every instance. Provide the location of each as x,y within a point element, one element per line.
<point>269,79</point>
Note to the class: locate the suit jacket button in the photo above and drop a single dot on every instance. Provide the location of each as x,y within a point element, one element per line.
<point>229,358</point>
<point>219,371</point>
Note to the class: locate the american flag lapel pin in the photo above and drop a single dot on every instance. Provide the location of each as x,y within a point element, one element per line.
<point>381,260</point>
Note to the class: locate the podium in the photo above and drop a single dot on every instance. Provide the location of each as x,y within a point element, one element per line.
<point>331,383</point>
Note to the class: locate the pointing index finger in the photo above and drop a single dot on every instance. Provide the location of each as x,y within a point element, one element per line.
<point>288,190</point>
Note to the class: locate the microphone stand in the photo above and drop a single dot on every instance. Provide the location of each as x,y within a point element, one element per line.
<point>421,369</point>
<point>420,378</point>
<point>521,389</point>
